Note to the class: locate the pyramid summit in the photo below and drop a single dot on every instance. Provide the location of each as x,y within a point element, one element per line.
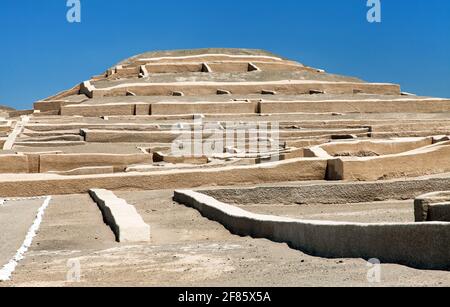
<point>207,73</point>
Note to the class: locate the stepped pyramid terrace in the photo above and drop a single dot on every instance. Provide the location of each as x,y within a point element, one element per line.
<point>220,167</point>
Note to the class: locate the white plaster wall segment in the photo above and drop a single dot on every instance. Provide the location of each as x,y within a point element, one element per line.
<point>211,55</point>
<point>143,72</point>
<point>420,245</point>
<point>7,270</point>
<point>124,220</point>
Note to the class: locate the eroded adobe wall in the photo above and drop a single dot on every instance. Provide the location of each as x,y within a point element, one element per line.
<point>44,184</point>
<point>432,207</point>
<point>67,162</point>
<point>433,160</point>
<point>416,245</point>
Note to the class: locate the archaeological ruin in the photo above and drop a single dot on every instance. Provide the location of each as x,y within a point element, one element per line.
<point>200,167</point>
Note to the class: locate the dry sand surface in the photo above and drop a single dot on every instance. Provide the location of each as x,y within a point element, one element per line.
<point>189,250</point>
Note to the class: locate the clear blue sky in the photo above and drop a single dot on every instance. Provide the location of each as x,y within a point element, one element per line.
<point>43,54</point>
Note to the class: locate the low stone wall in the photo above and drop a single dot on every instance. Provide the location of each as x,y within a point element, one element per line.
<point>98,110</point>
<point>124,220</point>
<point>268,66</point>
<point>162,108</point>
<point>34,160</point>
<point>420,125</point>
<point>229,67</point>
<point>109,136</point>
<point>424,161</point>
<point>67,162</point>
<point>332,192</point>
<point>120,72</point>
<point>284,171</point>
<point>244,88</point>
<point>432,207</point>
<point>379,147</point>
<point>19,113</point>
<point>53,105</point>
<point>357,106</point>
<point>143,109</point>
<point>174,68</point>
<point>423,246</point>
<point>223,66</point>
<point>50,144</point>
<point>94,170</point>
<point>54,128</point>
<point>160,157</point>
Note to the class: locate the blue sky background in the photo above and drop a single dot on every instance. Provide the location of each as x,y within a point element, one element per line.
<point>42,53</point>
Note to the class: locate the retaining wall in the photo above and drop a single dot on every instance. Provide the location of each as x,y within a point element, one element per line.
<point>432,207</point>
<point>230,107</point>
<point>98,110</point>
<point>423,246</point>
<point>13,164</point>
<point>67,162</point>
<point>44,184</point>
<point>425,161</point>
<point>332,192</point>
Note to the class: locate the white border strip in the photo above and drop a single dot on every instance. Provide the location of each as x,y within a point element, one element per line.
<point>203,55</point>
<point>8,269</point>
<point>24,198</point>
